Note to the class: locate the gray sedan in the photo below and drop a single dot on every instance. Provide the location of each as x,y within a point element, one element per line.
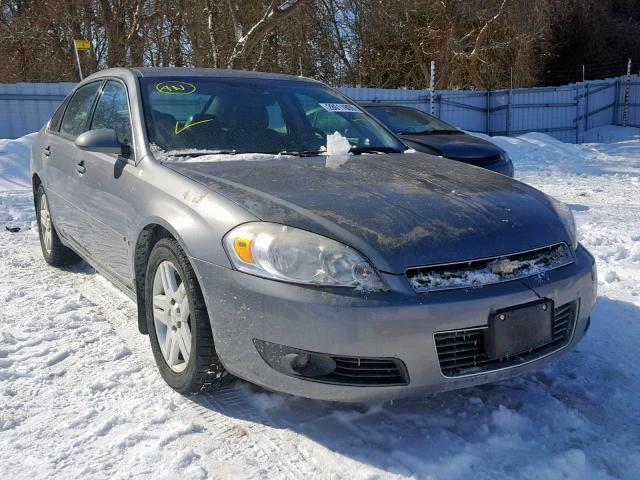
<point>317,259</point>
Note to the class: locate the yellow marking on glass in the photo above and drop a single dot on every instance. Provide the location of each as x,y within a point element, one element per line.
<point>242,246</point>
<point>179,130</point>
<point>173,87</point>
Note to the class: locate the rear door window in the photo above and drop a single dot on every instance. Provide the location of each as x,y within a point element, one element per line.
<point>54,123</point>
<point>77,113</point>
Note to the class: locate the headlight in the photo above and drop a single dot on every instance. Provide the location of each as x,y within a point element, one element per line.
<point>566,215</point>
<point>285,253</point>
<point>505,157</point>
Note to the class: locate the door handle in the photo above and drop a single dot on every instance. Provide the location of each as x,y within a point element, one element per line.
<point>80,168</point>
<point>46,150</point>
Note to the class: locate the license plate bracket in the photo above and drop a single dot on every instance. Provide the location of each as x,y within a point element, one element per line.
<point>519,329</point>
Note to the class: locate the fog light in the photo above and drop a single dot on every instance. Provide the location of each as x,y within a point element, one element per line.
<point>295,362</point>
<point>300,361</point>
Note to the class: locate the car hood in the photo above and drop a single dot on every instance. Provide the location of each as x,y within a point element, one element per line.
<point>459,145</point>
<point>400,210</point>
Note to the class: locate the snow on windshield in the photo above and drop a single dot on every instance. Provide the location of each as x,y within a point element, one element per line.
<point>196,155</point>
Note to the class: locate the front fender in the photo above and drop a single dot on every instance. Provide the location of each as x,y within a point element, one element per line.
<point>193,214</point>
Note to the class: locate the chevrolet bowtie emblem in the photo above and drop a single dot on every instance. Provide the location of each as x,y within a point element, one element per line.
<point>504,267</point>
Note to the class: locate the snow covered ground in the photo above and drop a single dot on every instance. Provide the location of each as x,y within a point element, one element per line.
<point>80,396</point>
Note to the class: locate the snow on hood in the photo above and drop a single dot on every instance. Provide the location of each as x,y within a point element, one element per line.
<point>14,163</point>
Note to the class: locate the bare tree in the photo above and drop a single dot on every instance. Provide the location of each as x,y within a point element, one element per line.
<point>381,43</point>
<point>474,56</point>
<point>246,43</point>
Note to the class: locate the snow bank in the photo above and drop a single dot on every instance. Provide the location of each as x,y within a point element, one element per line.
<point>14,163</point>
<point>536,150</point>
<point>610,134</point>
<point>540,153</point>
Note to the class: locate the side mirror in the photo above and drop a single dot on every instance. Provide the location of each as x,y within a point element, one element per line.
<point>102,140</point>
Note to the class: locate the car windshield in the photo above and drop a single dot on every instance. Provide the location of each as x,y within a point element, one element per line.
<point>407,121</point>
<point>228,115</point>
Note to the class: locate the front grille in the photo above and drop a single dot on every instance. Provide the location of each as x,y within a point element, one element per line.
<point>487,271</point>
<point>462,352</point>
<point>368,371</point>
<point>488,160</point>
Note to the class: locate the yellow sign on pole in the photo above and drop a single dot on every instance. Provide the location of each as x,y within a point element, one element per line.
<point>82,44</point>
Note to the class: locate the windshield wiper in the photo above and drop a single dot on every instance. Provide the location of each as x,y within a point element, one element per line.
<point>358,150</point>
<point>301,153</point>
<point>198,153</point>
<point>428,132</point>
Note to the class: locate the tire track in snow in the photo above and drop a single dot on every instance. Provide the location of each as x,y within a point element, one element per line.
<point>226,413</point>
<point>226,416</point>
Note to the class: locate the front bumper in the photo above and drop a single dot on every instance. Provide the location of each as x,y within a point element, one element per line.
<point>396,324</point>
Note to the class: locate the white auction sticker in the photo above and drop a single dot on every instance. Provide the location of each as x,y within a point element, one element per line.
<point>340,107</point>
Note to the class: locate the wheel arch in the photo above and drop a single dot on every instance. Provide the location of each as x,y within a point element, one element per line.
<point>148,236</point>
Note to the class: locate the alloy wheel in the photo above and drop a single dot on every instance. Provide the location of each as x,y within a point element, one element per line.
<point>171,316</point>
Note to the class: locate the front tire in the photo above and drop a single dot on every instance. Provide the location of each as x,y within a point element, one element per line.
<point>53,251</point>
<point>178,322</point>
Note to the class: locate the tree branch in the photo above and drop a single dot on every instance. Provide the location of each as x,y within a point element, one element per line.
<point>484,29</point>
<point>270,20</point>
<point>237,26</point>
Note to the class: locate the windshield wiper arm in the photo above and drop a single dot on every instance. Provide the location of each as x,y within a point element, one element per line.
<point>198,153</point>
<point>357,150</point>
<point>301,153</point>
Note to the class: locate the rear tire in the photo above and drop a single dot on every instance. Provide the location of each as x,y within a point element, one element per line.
<point>54,252</point>
<point>178,322</point>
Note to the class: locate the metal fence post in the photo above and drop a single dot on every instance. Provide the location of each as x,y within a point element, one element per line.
<point>586,109</point>
<point>627,86</point>
<point>615,102</point>
<point>432,86</point>
<point>509,100</point>
<point>488,112</point>
<point>509,113</point>
<point>577,113</point>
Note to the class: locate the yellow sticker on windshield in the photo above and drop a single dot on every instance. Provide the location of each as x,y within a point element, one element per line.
<point>175,88</point>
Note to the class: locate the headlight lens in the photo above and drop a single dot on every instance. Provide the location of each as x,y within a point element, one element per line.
<point>505,157</point>
<point>566,216</point>
<point>285,253</point>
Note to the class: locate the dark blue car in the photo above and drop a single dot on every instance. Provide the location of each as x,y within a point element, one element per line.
<point>428,134</point>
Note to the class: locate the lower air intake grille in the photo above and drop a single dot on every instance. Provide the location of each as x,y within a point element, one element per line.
<point>368,371</point>
<point>462,352</point>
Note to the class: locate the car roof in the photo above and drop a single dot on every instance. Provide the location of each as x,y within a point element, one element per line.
<point>143,72</point>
